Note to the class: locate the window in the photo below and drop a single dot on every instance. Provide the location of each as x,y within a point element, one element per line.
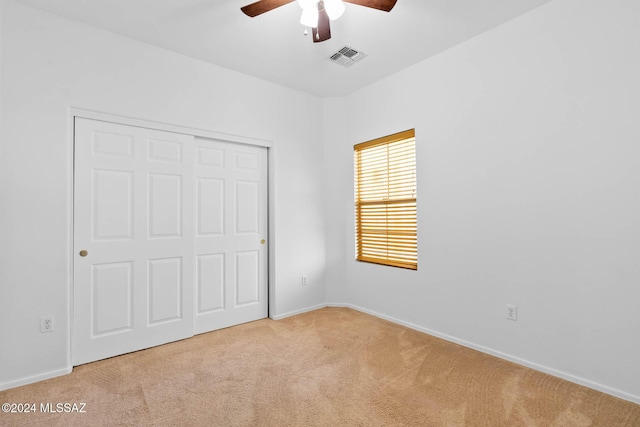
<point>385,200</point>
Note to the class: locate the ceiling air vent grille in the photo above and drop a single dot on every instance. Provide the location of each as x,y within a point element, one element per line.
<point>347,56</point>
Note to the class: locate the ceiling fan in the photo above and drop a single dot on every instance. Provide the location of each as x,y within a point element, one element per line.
<point>316,13</point>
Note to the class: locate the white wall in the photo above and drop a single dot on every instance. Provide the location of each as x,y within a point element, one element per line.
<point>50,64</point>
<point>528,150</point>
<point>338,201</point>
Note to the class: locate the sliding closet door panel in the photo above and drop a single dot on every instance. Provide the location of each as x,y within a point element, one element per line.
<point>231,224</point>
<point>133,239</point>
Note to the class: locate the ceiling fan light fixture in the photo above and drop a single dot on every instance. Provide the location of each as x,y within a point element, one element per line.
<point>309,17</point>
<point>334,8</point>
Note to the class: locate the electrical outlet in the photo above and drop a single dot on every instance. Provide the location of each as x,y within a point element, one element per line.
<point>304,281</point>
<point>512,312</point>
<point>46,324</point>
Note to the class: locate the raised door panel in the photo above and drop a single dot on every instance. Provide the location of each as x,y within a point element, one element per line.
<point>113,144</point>
<point>247,279</point>
<point>210,278</point>
<point>210,206</point>
<point>164,151</point>
<point>247,208</point>
<point>165,290</point>
<point>112,210</point>
<point>112,297</point>
<point>165,205</point>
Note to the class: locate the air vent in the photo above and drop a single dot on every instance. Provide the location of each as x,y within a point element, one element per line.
<point>347,56</point>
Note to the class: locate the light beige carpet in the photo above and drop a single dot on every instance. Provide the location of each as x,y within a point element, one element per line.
<point>329,367</point>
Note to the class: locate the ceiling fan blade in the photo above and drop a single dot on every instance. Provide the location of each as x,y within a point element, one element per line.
<point>262,6</point>
<point>323,31</point>
<point>384,5</point>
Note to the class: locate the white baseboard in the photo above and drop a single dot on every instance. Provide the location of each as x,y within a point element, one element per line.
<point>547,370</point>
<point>35,378</point>
<point>295,312</point>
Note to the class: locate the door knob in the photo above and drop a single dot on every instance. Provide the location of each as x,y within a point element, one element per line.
<point>84,253</point>
<point>262,242</point>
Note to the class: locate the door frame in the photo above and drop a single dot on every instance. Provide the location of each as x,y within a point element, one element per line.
<point>75,112</point>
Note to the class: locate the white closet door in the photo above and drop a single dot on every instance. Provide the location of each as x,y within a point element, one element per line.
<point>133,215</point>
<point>231,233</point>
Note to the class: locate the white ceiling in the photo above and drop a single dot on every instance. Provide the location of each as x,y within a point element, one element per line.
<point>272,46</point>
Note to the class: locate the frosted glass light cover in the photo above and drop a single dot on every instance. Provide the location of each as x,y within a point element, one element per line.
<point>334,8</point>
<point>309,17</point>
